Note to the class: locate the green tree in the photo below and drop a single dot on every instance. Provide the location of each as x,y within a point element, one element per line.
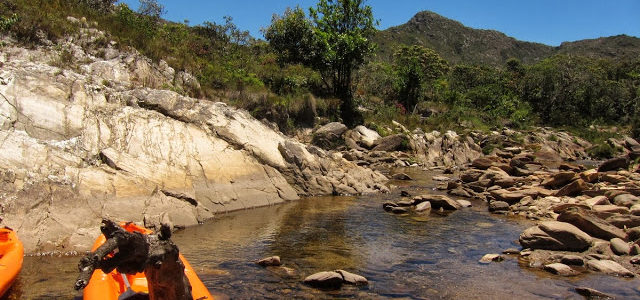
<point>151,8</point>
<point>335,41</point>
<point>417,68</point>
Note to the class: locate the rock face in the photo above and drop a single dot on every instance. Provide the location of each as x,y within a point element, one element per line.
<point>554,235</point>
<point>88,142</point>
<point>448,149</point>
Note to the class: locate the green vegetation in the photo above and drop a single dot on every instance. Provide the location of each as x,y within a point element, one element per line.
<point>334,42</point>
<point>324,65</point>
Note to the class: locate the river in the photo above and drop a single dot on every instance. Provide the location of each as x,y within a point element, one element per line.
<point>403,256</point>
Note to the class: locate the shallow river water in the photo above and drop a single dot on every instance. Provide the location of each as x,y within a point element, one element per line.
<point>402,256</point>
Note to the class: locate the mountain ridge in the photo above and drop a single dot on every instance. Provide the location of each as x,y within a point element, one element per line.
<point>458,43</point>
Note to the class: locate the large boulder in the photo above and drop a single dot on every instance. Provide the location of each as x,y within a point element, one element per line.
<point>554,235</point>
<point>559,179</point>
<point>391,143</point>
<point>329,136</point>
<point>507,196</point>
<point>573,188</point>
<point>609,267</point>
<point>591,224</point>
<point>613,164</point>
<point>325,280</point>
<point>365,136</point>
<point>440,201</point>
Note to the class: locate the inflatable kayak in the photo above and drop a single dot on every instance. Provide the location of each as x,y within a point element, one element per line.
<point>115,285</point>
<point>11,256</point>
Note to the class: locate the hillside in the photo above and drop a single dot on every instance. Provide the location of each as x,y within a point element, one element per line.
<point>461,44</point>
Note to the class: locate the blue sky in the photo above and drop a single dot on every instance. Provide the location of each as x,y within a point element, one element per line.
<point>545,21</point>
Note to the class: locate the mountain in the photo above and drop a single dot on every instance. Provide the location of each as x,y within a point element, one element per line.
<point>619,46</point>
<point>461,44</point>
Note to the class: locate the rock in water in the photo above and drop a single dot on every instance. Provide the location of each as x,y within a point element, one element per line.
<point>488,258</point>
<point>441,201</point>
<point>350,278</point>
<point>554,235</point>
<point>325,280</point>
<point>609,267</point>
<point>401,176</point>
<point>270,261</point>
<point>560,269</point>
<point>423,207</point>
<point>592,294</point>
<point>496,206</point>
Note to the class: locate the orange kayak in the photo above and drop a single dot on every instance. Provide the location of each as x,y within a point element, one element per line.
<point>11,256</point>
<point>111,286</point>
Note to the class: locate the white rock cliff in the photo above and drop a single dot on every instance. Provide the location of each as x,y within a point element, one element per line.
<point>97,138</point>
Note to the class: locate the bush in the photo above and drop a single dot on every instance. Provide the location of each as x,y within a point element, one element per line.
<point>635,128</point>
<point>602,151</point>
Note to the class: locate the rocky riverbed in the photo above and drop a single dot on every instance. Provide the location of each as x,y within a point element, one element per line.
<point>412,255</point>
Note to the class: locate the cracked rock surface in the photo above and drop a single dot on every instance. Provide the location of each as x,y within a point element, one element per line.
<point>99,138</point>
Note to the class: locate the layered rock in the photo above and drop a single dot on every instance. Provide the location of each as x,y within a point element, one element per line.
<point>89,141</point>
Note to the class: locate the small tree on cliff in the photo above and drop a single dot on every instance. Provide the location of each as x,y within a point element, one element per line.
<point>334,41</point>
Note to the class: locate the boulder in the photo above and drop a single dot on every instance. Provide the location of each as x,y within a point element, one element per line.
<point>590,176</point>
<point>460,192</point>
<point>614,164</point>
<point>365,136</point>
<point>598,200</point>
<point>441,201</point>
<point>609,267</point>
<point>391,143</point>
<point>610,209</point>
<point>350,278</point>
<point>622,221</point>
<point>488,258</point>
<point>633,234</point>
<point>635,209</point>
<point>269,261</point>
<point>590,293</point>
<point>329,136</point>
<point>573,188</point>
<point>613,178</point>
<point>560,269</point>
<point>401,176</point>
<point>482,163</point>
<point>560,179</point>
<point>423,207</point>
<point>626,200</point>
<point>591,224</point>
<point>572,260</point>
<point>497,206</point>
<point>464,203</point>
<point>505,182</point>
<point>470,176</point>
<point>507,196</point>
<point>325,280</point>
<point>620,247</point>
<point>399,210</point>
<point>554,235</point>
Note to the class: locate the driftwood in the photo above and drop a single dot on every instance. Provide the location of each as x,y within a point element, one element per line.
<point>154,254</point>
